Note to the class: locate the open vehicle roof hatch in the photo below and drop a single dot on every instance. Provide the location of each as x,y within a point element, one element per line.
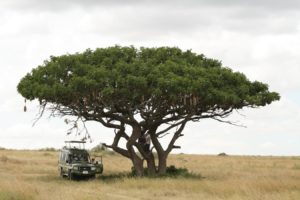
<point>75,144</point>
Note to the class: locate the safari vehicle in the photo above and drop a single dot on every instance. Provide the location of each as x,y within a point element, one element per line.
<point>74,161</point>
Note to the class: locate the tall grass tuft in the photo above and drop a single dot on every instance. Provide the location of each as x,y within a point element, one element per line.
<point>3,158</point>
<point>13,195</point>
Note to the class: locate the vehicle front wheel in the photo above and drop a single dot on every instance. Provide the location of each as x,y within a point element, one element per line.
<point>70,175</point>
<point>93,176</point>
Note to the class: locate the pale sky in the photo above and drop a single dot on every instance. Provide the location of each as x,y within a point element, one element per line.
<point>260,38</point>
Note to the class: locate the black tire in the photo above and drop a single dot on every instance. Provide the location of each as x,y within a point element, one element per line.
<point>70,175</point>
<point>61,173</point>
<point>93,176</point>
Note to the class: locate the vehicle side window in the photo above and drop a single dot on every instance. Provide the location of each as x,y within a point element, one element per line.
<point>61,156</point>
<point>67,157</point>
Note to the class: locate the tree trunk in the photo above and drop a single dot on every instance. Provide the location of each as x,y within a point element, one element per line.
<point>138,166</point>
<point>151,165</point>
<point>162,155</point>
<point>136,161</point>
<point>162,165</point>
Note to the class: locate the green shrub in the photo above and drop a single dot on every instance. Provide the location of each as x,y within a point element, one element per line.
<point>171,172</point>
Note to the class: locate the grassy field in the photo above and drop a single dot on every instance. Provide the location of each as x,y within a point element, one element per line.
<point>30,175</point>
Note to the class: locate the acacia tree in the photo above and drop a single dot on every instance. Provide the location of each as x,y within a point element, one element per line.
<point>153,91</point>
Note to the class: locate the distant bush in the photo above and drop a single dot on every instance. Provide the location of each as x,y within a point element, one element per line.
<point>222,154</point>
<point>2,148</point>
<point>100,148</point>
<point>48,149</point>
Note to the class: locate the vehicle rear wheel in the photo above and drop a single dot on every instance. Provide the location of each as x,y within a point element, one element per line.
<point>61,173</point>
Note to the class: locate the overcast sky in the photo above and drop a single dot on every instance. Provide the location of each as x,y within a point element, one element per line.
<point>260,38</point>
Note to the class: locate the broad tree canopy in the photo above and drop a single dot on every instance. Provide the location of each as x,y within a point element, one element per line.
<point>152,90</point>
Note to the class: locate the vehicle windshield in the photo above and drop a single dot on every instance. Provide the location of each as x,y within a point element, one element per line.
<point>79,157</point>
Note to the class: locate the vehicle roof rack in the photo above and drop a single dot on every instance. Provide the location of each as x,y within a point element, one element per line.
<point>75,141</point>
<point>80,144</point>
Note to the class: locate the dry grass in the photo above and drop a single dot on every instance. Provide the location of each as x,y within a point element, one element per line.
<point>28,175</point>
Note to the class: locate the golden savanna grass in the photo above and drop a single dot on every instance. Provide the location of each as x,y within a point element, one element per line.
<point>28,175</point>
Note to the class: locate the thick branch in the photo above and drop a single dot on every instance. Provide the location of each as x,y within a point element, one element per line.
<point>108,124</point>
<point>176,135</point>
<point>115,147</point>
<point>159,149</point>
<point>212,114</point>
<point>141,150</point>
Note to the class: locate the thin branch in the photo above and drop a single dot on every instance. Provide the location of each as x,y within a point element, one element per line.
<point>170,127</point>
<point>229,122</point>
<point>40,113</point>
<point>161,136</point>
<point>240,113</point>
<point>115,143</point>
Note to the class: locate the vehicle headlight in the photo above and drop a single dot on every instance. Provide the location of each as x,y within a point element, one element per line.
<point>75,168</point>
<point>93,168</point>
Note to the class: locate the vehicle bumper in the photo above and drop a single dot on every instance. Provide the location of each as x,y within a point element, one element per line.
<point>80,173</point>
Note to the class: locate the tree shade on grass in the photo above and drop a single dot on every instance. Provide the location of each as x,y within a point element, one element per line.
<point>140,91</point>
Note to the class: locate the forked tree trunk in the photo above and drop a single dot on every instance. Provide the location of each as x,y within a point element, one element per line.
<point>152,169</point>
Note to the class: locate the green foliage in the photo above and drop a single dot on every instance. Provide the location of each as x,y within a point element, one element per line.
<point>172,171</point>
<point>116,77</point>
